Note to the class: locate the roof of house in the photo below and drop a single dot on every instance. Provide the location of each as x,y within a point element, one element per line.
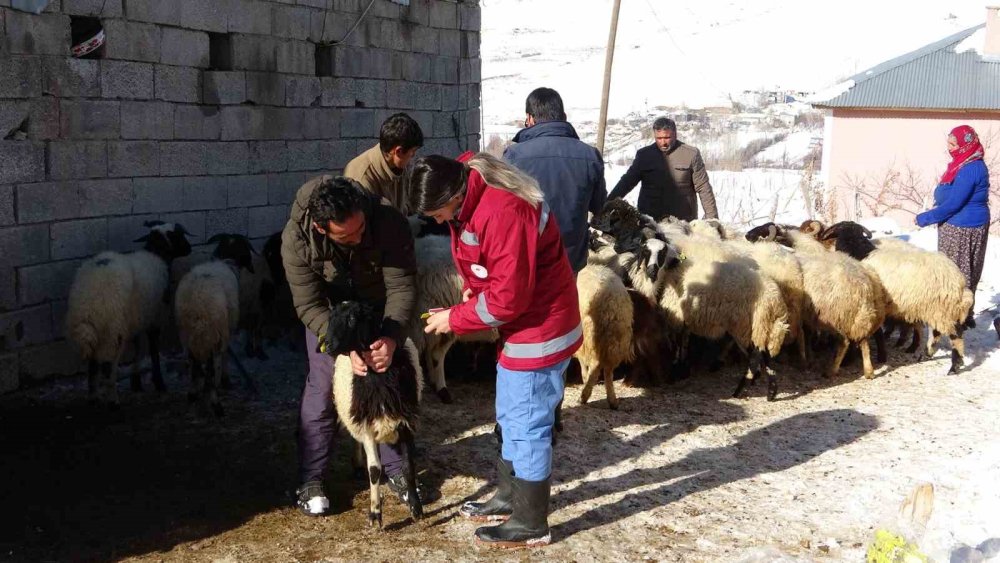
<point>950,74</point>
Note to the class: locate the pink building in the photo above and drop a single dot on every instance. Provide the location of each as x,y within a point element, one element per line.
<point>885,132</point>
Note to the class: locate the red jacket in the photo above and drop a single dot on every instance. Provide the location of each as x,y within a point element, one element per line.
<point>512,257</point>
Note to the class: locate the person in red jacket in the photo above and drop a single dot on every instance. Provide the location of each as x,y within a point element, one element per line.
<point>518,280</point>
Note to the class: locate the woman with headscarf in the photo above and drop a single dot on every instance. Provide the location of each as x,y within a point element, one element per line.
<point>961,207</point>
<point>508,250</point>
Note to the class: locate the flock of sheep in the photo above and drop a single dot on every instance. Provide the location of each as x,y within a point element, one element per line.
<point>651,296</point>
<point>773,286</point>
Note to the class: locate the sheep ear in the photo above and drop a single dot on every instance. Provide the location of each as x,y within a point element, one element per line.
<point>153,223</point>
<point>217,238</point>
<point>181,229</point>
<point>868,234</point>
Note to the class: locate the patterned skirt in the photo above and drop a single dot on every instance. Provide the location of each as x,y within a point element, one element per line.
<point>966,246</point>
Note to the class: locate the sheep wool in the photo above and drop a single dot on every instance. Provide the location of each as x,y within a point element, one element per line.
<point>606,317</point>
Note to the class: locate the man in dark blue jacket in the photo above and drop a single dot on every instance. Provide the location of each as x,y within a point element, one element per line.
<point>569,171</point>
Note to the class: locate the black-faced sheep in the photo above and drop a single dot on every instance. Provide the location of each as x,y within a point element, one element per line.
<point>378,407</point>
<point>921,287</point>
<point>117,297</point>
<point>207,310</point>
<point>711,293</point>
<point>257,287</point>
<point>841,296</point>
<point>606,317</point>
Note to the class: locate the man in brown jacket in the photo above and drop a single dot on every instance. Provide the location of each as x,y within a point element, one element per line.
<point>671,173</point>
<point>380,168</point>
<point>342,243</point>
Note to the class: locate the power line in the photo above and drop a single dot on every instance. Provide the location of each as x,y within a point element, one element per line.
<point>670,36</point>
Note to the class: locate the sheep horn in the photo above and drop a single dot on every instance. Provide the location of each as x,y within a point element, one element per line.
<point>868,234</point>
<point>772,232</point>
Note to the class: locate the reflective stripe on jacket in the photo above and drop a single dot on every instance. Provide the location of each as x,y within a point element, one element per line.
<point>511,256</point>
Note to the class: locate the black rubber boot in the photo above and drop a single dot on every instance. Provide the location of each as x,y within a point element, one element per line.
<point>529,525</point>
<point>501,505</point>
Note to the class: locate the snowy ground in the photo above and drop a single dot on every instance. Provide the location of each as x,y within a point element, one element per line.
<point>679,473</point>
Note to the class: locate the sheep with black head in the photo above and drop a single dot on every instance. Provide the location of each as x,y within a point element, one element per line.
<point>116,297</point>
<point>257,289</point>
<point>377,408</point>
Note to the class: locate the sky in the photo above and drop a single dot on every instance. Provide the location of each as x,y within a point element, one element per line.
<point>695,53</point>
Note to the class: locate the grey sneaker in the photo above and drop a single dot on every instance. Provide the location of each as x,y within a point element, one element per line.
<point>311,499</point>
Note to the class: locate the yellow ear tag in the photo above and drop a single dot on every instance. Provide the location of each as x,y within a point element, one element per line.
<point>682,257</point>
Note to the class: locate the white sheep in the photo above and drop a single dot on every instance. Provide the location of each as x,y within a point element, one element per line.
<point>438,285</point>
<point>921,287</point>
<point>207,311</point>
<point>712,299</point>
<point>606,317</point>
<point>116,297</point>
<point>257,287</point>
<point>842,297</point>
<point>378,408</point>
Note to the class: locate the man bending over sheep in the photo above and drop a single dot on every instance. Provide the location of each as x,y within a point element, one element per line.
<point>342,243</point>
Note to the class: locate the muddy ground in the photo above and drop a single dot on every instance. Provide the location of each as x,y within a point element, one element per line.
<point>681,473</point>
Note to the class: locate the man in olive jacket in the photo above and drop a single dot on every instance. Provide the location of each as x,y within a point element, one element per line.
<point>342,243</point>
<point>380,168</point>
<point>671,173</point>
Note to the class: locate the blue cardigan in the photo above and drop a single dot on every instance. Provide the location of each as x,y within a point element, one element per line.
<point>965,202</point>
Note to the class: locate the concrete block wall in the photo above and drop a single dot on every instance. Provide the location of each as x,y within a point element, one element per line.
<point>210,113</point>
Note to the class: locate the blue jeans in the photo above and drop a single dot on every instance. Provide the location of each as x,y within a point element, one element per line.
<point>526,410</point>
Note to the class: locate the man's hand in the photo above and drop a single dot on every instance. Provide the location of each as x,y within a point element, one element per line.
<point>380,357</point>
<point>358,365</point>
<point>439,322</point>
<point>466,295</point>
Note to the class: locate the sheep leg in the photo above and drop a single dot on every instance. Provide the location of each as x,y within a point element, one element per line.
<point>153,336</point>
<point>918,334</point>
<point>957,349</point>
<point>752,372</point>
<point>609,388</point>
<point>590,374</point>
<point>722,357</point>
<point>866,358</point>
<point>258,332</point>
<point>134,375</point>
<point>358,460</point>
<point>838,357</point>
<point>772,377</point>
<point>801,343</point>
<point>932,342</point>
<point>374,478</point>
<point>210,385</point>
<point>108,381</point>
<point>904,333</point>
<point>881,353</point>
<point>197,375</point>
<point>224,381</point>
<point>92,368</point>
<point>410,470</point>
<point>437,349</point>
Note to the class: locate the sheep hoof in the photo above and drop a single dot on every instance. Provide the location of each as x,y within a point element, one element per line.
<point>996,326</point>
<point>772,394</point>
<point>375,519</point>
<point>613,405</point>
<point>444,395</point>
<point>417,512</point>
<point>870,375</point>
<point>558,425</point>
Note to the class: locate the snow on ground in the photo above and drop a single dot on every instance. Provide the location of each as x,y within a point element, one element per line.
<point>789,153</point>
<point>747,197</point>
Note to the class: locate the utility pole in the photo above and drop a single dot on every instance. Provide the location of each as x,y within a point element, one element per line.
<point>602,123</point>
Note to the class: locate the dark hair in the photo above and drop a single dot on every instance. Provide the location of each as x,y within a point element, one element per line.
<point>664,124</point>
<point>433,180</point>
<point>545,104</point>
<point>400,130</point>
<point>336,199</point>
